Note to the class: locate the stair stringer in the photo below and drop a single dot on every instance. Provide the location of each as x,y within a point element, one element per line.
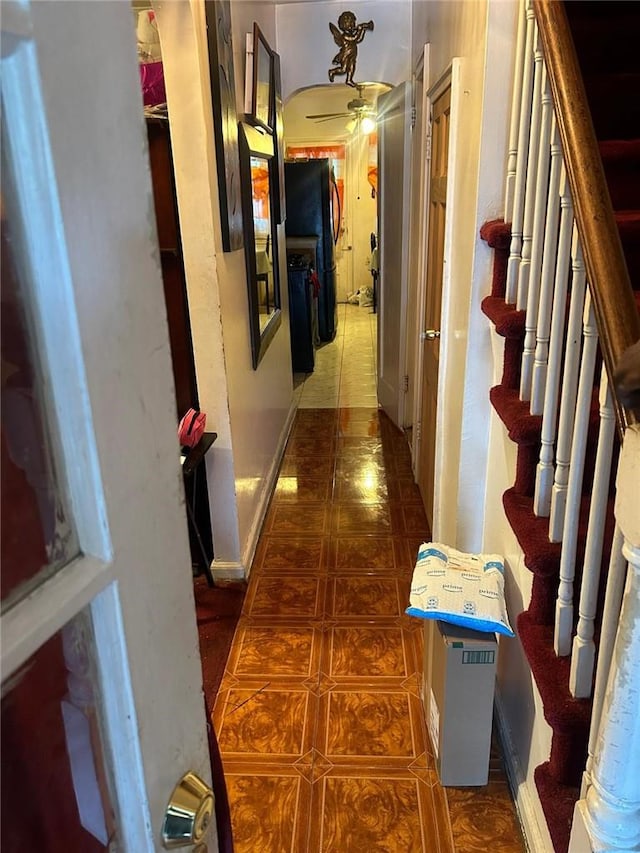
<point>525,734</point>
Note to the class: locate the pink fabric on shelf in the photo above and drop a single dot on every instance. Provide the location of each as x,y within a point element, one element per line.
<point>152,79</point>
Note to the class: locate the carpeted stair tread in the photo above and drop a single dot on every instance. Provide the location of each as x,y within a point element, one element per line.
<point>557,802</point>
<point>568,718</point>
<point>509,322</point>
<point>522,426</point>
<point>496,233</point>
<point>532,532</point>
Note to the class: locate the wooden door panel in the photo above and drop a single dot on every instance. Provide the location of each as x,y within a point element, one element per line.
<point>433,301</point>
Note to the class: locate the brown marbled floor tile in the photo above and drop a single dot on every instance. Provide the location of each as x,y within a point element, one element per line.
<point>276,725</point>
<point>307,466</point>
<point>292,553</point>
<point>484,818</point>
<point>361,428</point>
<point>409,520</point>
<point>398,465</point>
<point>411,545</point>
<point>361,488</point>
<point>296,519</point>
<point>404,490</point>
<point>307,444</point>
<point>358,445</point>
<point>274,651</point>
<point>361,518</point>
<point>302,490</point>
<point>389,811</point>
<point>368,553</point>
<point>270,810</point>
<point>372,727</point>
<point>376,652</point>
<point>364,466</point>
<point>285,595</point>
<point>364,596</point>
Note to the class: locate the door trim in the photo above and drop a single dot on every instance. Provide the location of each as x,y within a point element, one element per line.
<point>449,78</point>
<point>431,94</point>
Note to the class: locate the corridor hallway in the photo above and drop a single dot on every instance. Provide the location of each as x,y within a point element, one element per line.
<point>318,716</point>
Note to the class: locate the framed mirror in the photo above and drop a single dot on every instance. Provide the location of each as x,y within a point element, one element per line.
<point>259,184</point>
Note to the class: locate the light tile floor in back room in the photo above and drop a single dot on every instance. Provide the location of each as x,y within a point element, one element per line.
<point>318,716</point>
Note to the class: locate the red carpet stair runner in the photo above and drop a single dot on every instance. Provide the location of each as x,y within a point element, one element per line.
<point>605,35</point>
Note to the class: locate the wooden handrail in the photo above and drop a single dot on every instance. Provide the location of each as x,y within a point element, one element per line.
<point>611,291</point>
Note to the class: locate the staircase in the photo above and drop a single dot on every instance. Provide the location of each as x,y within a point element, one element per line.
<point>539,285</point>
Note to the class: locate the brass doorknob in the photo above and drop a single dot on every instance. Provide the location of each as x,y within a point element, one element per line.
<point>188,814</point>
<point>430,335</point>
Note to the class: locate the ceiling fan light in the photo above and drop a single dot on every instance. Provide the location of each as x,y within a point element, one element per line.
<point>368,124</point>
<point>350,126</point>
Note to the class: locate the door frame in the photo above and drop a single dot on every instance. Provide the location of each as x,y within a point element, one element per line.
<point>450,78</point>
<point>422,212</point>
<point>404,252</point>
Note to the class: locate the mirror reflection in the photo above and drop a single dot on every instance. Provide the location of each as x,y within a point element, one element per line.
<point>260,244</point>
<point>266,296</point>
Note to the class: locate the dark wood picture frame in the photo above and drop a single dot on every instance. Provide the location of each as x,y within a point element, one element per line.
<point>225,121</point>
<point>261,98</point>
<point>255,142</point>
<point>278,125</point>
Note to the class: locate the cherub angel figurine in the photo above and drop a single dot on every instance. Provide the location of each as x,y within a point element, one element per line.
<point>348,41</point>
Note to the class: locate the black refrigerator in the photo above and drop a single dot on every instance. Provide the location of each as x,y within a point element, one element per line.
<point>310,190</point>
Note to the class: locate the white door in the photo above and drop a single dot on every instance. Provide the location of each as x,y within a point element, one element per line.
<point>105,633</point>
<point>394,120</point>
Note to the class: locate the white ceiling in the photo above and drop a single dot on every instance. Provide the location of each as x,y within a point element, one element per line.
<point>326,98</point>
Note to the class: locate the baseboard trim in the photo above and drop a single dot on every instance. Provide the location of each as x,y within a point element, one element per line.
<point>268,485</point>
<point>536,837</point>
<point>228,571</point>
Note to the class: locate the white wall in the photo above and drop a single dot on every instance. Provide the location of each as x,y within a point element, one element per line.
<point>249,410</point>
<point>477,461</point>
<point>306,45</point>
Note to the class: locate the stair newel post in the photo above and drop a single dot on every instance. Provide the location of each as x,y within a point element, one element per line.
<point>549,260</point>
<point>541,203</point>
<point>548,361</point>
<point>530,193</point>
<point>515,247</point>
<point>564,603</point>
<point>616,576</point>
<point>584,649</point>
<point>569,391</point>
<point>512,158</point>
<point>608,816</point>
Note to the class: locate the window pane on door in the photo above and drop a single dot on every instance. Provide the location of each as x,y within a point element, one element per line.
<point>37,535</point>
<point>54,790</point>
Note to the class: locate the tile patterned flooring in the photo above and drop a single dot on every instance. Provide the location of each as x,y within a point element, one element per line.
<point>345,370</point>
<point>318,716</point>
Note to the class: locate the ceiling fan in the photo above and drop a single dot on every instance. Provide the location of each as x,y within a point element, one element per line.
<point>357,109</point>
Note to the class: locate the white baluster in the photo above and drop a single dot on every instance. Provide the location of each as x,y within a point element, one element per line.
<point>542,192</point>
<point>609,816</point>
<point>515,247</point>
<point>584,650</point>
<point>558,195</point>
<point>564,604</point>
<point>569,390</point>
<point>512,158</point>
<point>524,268</point>
<point>616,576</point>
<point>546,374</point>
